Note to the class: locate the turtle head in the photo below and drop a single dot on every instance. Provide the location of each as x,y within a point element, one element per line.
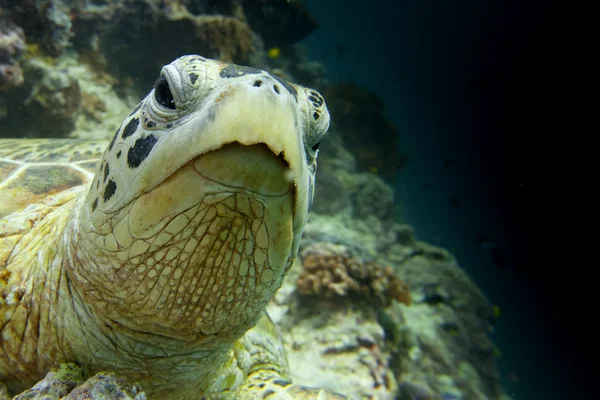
<point>200,200</point>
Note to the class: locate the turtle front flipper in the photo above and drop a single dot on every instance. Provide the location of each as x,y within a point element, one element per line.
<point>269,385</point>
<point>259,370</point>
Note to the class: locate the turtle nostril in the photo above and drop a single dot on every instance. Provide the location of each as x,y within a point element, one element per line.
<point>257,83</point>
<point>276,89</point>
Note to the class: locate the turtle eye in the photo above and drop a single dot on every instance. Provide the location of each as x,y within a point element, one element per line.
<point>162,93</point>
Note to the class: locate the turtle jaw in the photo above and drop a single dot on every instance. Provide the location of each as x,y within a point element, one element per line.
<point>252,168</point>
<point>220,232</point>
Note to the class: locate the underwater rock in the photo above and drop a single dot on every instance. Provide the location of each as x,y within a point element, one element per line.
<point>66,382</point>
<point>341,188</point>
<point>161,31</point>
<point>330,194</point>
<point>57,94</point>
<point>442,339</point>
<point>12,45</point>
<point>64,97</point>
<point>47,22</point>
<point>106,386</point>
<point>438,347</point>
<point>280,22</point>
<point>340,347</point>
<point>294,64</point>
<point>372,196</point>
<point>358,116</point>
<point>59,382</point>
<point>122,43</point>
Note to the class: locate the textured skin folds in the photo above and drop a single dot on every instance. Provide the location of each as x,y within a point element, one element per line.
<point>159,266</point>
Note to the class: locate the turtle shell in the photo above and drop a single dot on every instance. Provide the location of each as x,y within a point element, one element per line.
<point>31,169</point>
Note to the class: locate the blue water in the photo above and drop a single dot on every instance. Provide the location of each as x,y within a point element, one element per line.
<point>445,70</point>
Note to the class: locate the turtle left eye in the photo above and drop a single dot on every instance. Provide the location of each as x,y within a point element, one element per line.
<point>162,93</point>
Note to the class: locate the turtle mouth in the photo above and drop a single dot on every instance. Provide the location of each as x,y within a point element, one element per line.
<point>254,168</point>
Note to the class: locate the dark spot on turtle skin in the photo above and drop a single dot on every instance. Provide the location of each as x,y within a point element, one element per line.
<point>268,392</point>
<point>106,171</point>
<point>193,77</point>
<point>112,142</point>
<point>130,128</point>
<point>235,71</point>
<point>4,275</point>
<point>151,124</point>
<point>286,85</point>
<point>140,150</point>
<point>316,115</point>
<point>109,190</point>
<point>316,97</point>
<point>169,125</point>
<point>261,385</point>
<point>136,108</point>
<point>282,383</point>
<point>201,59</point>
<point>119,154</point>
<point>94,205</point>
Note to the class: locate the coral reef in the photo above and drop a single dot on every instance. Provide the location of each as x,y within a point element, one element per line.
<point>438,347</point>
<point>64,97</point>
<point>66,382</point>
<point>127,41</point>
<point>12,46</point>
<point>48,22</point>
<point>57,93</point>
<point>341,349</point>
<point>331,271</point>
<point>228,38</point>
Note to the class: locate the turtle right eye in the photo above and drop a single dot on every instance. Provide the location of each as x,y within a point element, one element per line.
<point>162,93</point>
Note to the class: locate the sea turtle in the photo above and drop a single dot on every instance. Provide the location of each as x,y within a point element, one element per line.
<point>156,257</point>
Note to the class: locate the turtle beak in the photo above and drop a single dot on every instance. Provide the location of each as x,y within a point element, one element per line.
<point>254,168</point>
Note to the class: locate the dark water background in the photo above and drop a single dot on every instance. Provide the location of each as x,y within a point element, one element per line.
<point>474,88</point>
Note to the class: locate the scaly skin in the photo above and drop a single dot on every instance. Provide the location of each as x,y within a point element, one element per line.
<point>161,267</point>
